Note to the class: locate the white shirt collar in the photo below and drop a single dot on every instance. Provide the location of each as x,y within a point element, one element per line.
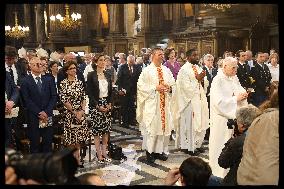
<point>208,68</point>
<point>34,76</point>
<point>7,66</point>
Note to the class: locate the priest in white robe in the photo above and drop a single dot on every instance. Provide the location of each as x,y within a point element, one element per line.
<point>154,91</point>
<point>226,95</point>
<point>191,117</point>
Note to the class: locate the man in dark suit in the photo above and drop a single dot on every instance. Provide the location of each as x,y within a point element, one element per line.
<point>262,78</point>
<point>127,86</point>
<point>87,60</point>
<point>243,69</point>
<point>17,72</point>
<point>211,72</point>
<point>243,72</point>
<point>11,98</point>
<point>39,94</point>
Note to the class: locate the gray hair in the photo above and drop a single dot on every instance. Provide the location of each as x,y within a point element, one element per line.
<point>207,56</point>
<point>229,61</point>
<point>246,114</point>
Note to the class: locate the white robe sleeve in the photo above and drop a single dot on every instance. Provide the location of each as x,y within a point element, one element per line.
<point>224,104</point>
<point>145,90</point>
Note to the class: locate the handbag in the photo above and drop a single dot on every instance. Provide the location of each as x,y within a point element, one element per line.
<point>115,152</point>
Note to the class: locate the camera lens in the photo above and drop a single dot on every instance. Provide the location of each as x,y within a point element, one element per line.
<point>45,168</point>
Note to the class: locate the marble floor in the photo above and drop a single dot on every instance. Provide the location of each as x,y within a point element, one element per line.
<point>134,170</point>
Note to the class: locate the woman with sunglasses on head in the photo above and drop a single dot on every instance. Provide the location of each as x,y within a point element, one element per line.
<point>72,94</point>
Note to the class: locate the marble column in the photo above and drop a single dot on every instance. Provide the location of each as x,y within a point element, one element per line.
<point>40,32</point>
<point>168,11</point>
<point>27,20</point>
<point>145,16</point>
<point>176,16</point>
<point>215,44</point>
<point>114,18</point>
<point>55,32</point>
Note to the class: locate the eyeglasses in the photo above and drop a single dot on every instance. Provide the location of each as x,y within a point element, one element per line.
<point>73,68</point>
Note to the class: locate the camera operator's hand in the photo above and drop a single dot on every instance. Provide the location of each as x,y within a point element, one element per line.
<point>172,176</point>
<point>121,93</point>
<point>10,176</point>
<point>28,182</point>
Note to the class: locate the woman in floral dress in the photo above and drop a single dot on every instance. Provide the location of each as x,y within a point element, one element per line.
<point>72,95</point>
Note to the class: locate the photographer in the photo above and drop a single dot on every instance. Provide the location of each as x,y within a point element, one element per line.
<point>260,160</point>
<point>231,154</point>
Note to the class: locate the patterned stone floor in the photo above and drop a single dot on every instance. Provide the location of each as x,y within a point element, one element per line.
<point>134,170</point>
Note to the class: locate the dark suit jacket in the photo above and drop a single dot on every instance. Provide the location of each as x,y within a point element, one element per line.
<point>34,100</point>
<point>61,76</point>
<point>82,67</point>
<point>94,90</point>
<point>11,89</point>
<point>262,78</point>
<point>243,72</point>
<point>209,78</point>
<point>21,71</point>
<point>126,80</point>
<point>115,64</point>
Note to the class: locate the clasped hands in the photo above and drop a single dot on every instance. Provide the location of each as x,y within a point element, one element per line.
<point>43,116</point>
<point>8,107</point>
<point>242,96</point>
<point>163,88</point>
<point>79,114</point>
<point>104,108</point>
<point>200,76</point>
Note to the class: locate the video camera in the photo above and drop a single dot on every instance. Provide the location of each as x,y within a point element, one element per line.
<point>232,123</point>
<point>46,168</point>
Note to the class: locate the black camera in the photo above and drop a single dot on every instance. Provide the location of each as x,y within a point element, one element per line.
<point>232,123</point>
<point>46,168</point>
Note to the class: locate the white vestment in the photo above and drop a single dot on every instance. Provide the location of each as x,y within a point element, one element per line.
<point>191,114</point>
<point>223,106</point>
<point>148,111</point>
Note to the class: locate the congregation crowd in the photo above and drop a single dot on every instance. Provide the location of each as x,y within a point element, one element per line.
<point>230,101</point>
